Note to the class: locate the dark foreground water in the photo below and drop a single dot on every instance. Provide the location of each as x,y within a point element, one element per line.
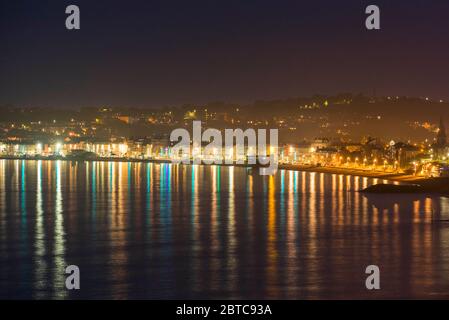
<point>141,230</point>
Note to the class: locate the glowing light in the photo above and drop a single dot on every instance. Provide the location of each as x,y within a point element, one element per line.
<point>123,148</point>
<point>38,148</point>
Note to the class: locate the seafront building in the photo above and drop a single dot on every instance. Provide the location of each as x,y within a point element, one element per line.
<point>369,153</point>
<point>320,152</point>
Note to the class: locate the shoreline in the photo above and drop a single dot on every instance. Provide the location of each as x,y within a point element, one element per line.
<point>391,176</point>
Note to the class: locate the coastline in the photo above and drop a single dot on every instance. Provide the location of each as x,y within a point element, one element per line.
<point>391,176</point>
<point>419,184</point>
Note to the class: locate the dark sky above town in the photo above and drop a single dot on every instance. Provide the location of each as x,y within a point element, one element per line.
<point>147,53</point>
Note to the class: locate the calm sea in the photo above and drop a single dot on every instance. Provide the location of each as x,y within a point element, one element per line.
<point>155,231</point>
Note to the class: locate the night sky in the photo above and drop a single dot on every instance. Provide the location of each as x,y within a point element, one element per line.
<point>145,53</point>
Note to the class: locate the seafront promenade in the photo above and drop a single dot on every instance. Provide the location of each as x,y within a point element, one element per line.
<point>369,172</point>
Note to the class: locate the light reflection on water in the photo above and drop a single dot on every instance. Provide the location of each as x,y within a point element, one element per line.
<point>142,230</point>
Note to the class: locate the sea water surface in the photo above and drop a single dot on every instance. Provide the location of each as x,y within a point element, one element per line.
<point>160,231</point>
